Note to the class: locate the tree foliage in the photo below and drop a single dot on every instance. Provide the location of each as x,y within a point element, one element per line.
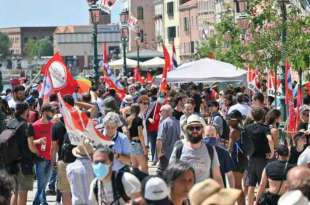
<point>260,43</point>
<point>5,45</point>
<point>41,47</point>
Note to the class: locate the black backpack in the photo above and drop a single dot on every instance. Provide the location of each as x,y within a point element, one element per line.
<point>246,143</point>
<point>117,187</point>
<point>225,134</point>
<point>9,148</point>
<point>66,150</point>
<point>178,152</point>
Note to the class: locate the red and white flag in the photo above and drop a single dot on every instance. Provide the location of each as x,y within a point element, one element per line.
<point>57,78</point>
<point>121,93</point>
<point>132,23</point>
<point>106,5</point>
<point>288,83</point>
<point>274,86</point>
<point>252,78</point>
<point>79,126</point>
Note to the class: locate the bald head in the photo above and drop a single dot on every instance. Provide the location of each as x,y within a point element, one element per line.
<point>211,131</point>
<point>298,178</point>
<point>166,111</point>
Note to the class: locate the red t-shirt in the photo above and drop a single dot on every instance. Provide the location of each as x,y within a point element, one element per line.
<point>39,130</point>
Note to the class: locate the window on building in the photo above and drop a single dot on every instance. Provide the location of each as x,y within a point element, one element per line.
<point>192,47</point>
<point>171,33</point>
<point>140,14</point>
<point>170,9</point>
<point>186,25</point>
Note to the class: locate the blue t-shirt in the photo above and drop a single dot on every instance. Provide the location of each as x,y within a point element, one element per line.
<point>121,146</point>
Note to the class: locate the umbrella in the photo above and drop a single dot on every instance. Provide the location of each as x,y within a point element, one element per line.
<point>120,63</point>
<point>84,85</point>
<point>154,62</point>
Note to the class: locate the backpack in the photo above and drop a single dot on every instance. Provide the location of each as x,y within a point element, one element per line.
<point>178,152</point>
<point>246,143</point>
<point>225,134</point>
<point>9,148</point>
<point>66,150</point>
<point>117,187</point>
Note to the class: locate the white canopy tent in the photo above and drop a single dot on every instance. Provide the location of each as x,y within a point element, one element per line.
<point>153,63</point>
<point>205,70</point>
<point>118,64</point>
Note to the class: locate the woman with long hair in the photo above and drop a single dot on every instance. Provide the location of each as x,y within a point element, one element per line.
<point>273,118</point>
<point>138,150</point>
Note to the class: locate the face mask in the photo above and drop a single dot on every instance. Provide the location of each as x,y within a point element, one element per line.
<point>212,141</point>
<point>101,170</point>
<point>49,118</point>
<point>194,140</point>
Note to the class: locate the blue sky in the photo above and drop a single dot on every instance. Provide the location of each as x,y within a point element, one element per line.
<point>18,13</point>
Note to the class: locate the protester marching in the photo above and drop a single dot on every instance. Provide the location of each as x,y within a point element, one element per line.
<point>211,143</point>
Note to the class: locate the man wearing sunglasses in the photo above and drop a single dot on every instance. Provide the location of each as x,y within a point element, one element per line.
<point>196,153</point>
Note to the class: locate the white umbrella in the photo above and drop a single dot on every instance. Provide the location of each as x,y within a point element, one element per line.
<point>120,63</point>
<point>205,70</point>
<point>154,63</point>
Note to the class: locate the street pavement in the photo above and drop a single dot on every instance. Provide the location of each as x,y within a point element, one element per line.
<point>52,199</point>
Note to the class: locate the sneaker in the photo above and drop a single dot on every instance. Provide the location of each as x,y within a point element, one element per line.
<point>50,192</point>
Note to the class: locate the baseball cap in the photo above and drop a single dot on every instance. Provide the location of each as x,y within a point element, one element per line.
<point>156,191</point>
<point>210,192</point>
<point>293,198</point>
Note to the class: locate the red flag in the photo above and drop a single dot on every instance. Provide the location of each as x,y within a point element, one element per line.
<point>110,84</point>
<point>167,66</point>
<point>299,104</point>
<point>79,126</point>
<point>137,75</point>
<point>57,78</point>
<point>292,117</point>
<point>149,77</point>
<point>253,79</point>
<point>288,83</point>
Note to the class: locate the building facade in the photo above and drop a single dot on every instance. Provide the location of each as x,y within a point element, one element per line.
<point>189,34</point>
<point>19,36</point>
<point>144,35</point>
<point>75,43</point>
<point>159,24</point>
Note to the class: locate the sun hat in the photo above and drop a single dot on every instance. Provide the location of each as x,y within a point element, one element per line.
<point>210,192</point>
<point>194,119</point>
<point>83,150</point>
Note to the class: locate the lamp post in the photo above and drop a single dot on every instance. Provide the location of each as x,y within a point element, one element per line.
<point>95,13</point>
<point>283,56</point>
<point>124,37</point>
<point>138,51</point>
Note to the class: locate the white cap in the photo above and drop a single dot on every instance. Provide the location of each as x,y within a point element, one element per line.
<point>156,190</point>
<point>293,198</point>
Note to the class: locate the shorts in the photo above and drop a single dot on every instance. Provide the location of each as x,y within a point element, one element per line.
<point>24,182</point>
<point>62,181</point>
<point>136,148</point>
<point>255,170</point>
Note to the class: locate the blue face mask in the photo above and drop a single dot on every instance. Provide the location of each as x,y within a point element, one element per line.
<point>101,170</point>
<point>212,141</point>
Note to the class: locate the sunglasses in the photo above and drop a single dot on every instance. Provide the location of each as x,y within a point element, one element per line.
<point>192,128</point>
<point>97,162</point>
<point>145,103</point>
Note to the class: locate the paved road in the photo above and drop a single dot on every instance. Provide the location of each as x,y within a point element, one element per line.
<point>52,199</point>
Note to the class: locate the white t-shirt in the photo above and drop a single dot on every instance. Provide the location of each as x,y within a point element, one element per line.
<point>304,158</point>
<point>105,191</point>
<point>244,109</point>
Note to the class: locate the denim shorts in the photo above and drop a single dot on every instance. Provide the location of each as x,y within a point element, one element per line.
<point>136,148</point>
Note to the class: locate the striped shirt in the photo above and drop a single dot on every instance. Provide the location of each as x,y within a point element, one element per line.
<point>80,175</point>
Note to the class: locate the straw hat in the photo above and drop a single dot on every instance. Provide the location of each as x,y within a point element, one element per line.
<point>83,150</point>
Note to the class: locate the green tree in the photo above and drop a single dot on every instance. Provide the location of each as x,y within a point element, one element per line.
<point>5,45</point>
<point>41,47</point>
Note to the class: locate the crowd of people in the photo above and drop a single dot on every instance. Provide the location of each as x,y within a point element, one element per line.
<point>208,146</point>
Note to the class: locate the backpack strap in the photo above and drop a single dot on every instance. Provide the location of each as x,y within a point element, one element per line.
<point>211,155</point>
<point>178,149</point>
<point>96,190</point>
<point>118,187</point>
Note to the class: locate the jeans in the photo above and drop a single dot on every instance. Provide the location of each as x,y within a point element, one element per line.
<point>152,136</point>
<point>52,180</point>
<point>43,170</point>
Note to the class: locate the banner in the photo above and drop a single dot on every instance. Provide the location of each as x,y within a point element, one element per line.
<point>174,58</point>
<point>106,5</point>
<point>132,23</point>
<point>79,126</point>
